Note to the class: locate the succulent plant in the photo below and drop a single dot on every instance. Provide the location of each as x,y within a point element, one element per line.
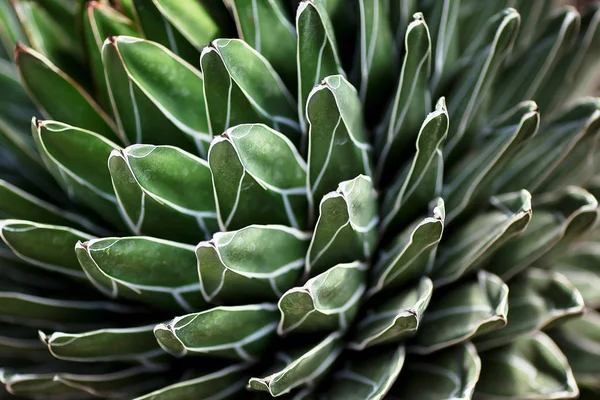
<point>323,199</point>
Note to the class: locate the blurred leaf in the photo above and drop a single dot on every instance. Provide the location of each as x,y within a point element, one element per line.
<point>337,146</point>
<point>532,368</point>
<point>468,310</point>
<point>255,263</point>
<point>445,26</point>
<point>11,31</point>
<point>154,184</point>
<point>345,229</point>
<point>537,299</point>
<point>394,320</point>
<point>259,177</point>
<point>301,367</point>
<point>328,302</point>
<point>581,266</point>
<point>144,269</point>
<point>241,332</point>
<point>475,242</point>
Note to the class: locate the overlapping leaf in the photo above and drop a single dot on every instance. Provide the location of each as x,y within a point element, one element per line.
<point>581,266</point>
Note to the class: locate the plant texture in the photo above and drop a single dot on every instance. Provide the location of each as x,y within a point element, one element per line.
<point>316,199</point>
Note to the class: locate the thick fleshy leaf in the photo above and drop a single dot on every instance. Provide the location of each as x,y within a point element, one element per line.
<point>475,242</point>
<point>393,320</point>
<point>148,270</point>
<point>242,87</point>
<point>101,21</point>
<point>18,204</point>
<point>412,101</point>
<point>444,21</point>
<point>420,181</point>
<point>367,376</point>
<point>411,254</point>
<point>527,75</point>
<point>474,307</point>
<point>579,339</point>
<point>240,332</point>
<point>449,374</point>
<point>254,186</point>
<point>472,179</point>
<point>157,97</point>
<point>489,51</point>
<point>158,28</point>
<point>346,228</point>
<point>154,184</point>
<point>198,21</point>
<point>112,384</point>
<point>560,219</point>
<point>327,302</point>
<point>316,51</point>
<point>77,159</point>
<point>536,300</point>
<point>337,146</point>
<point>220,383</point>
<point>264,25</point>
<point>48,247</point>
<point>105,345</point>
<point>255,263</point>
<point>45,82</point>
<point>301,367</point>
<point>533,368</point>
<point>581,266</point>
<point>536,161</point>
<point>378,59</point>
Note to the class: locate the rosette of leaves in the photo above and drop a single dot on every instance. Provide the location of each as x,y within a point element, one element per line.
<point>246,199</point>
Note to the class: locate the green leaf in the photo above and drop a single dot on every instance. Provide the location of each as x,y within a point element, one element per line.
<point>377,64</point>
<point>474,307</point>
<point>157,28</point>
<point>224,383</point>
<point>304,366</point>
<point>115,383</point>
<point>17,342</point>
<point>579,340</point>
<point>255,263</point>
<point>144,269</point>
<point>154,184</point>
<point>533,368</point>
<point>473,177</point>
<point>445,25</point>
<point>411,254</point>
<point>394,320</point>
<point>580,266</point>
<point>242,87</point>
<point>317,54</point>
<point>337,146</point>
<point>478,71</point>
<point>325,303</point>
<point>265,26</point>
<point>44,82</point>
<point>561,218</point>
<point>198,21</point>
<point>537,299</point>
<point>77,159</point>
<point>475,242</point>
<point>48,247</point>
<point>157,97</point>
<point>420,181</point>
<point>105,345</point>
<point>18,204</point>
<point>367,376</point>
<point>412,102</point>
<point>101,21</point>
<point>345,230</point>
<point>11,31</point>
<point>240,332</point>
<point>257,186</point>
<point>449,374</point>
<point>535,162</point>
<point>527,74</point>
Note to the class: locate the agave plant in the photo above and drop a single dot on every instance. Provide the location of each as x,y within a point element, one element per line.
<point>323,199</point>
